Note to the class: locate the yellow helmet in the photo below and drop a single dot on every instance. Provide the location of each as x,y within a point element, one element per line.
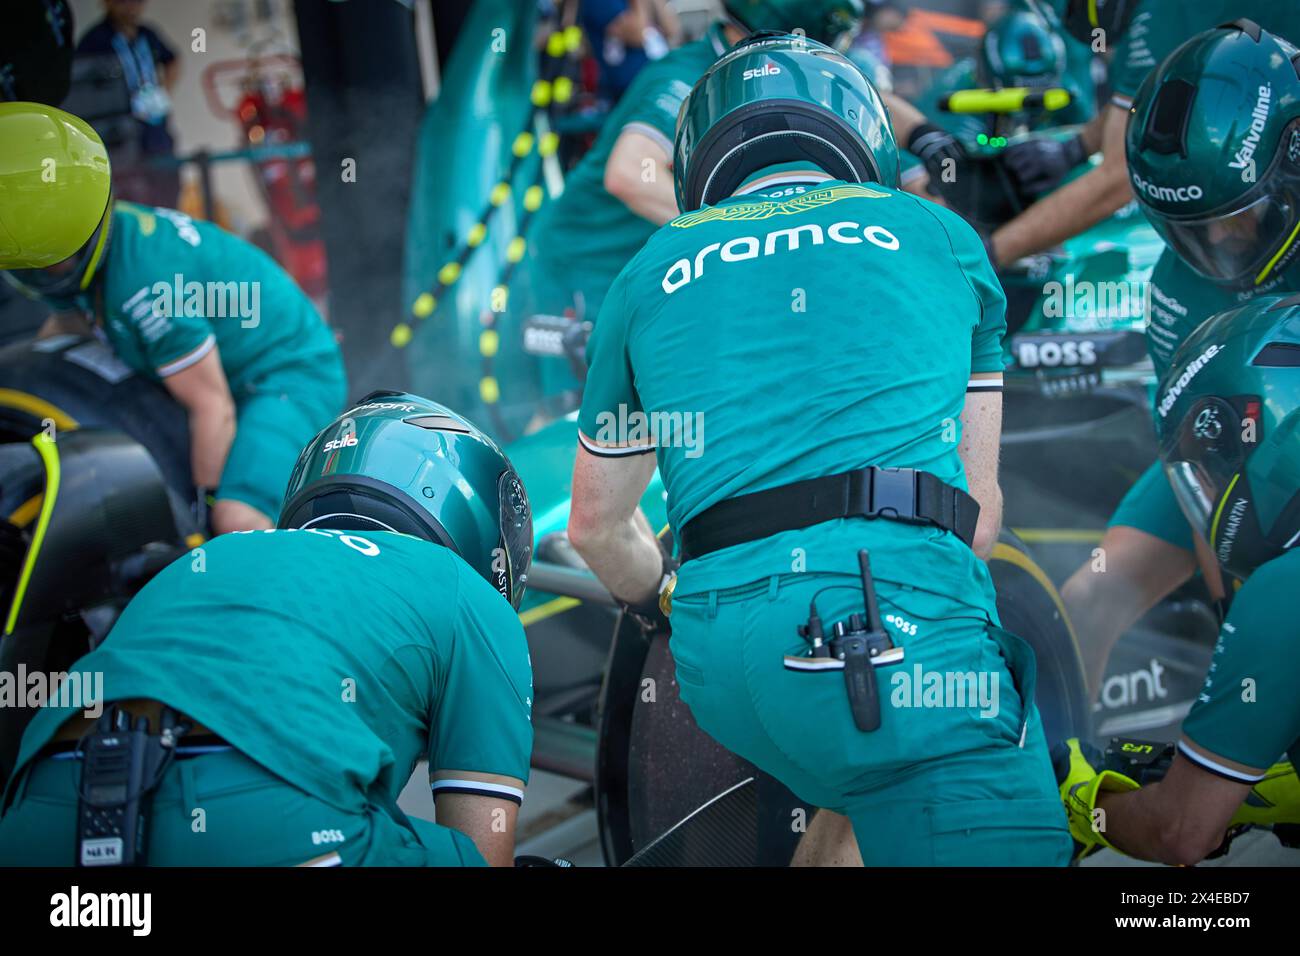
<point>55,188</point>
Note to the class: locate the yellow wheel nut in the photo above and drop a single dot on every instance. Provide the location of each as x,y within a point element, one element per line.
<point>424,305</point>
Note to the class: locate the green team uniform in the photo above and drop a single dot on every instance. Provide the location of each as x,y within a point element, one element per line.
<point>776,324</point>
<point>1180,301</point>
<point>1161,26</point>
<point>1229,730</point>
<point>280,358</point>
<point>330,662</point>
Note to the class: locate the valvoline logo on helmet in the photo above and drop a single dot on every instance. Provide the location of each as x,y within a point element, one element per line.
<point>1175,388</point>
<point>767,69</point>
<point>1244,158</point>
<point>1166,193</point>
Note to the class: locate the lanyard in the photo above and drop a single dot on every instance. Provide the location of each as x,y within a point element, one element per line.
<point>137,62</point>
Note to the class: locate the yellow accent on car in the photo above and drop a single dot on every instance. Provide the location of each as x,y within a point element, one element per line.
<point>49,452</point>
<point>37,407</point>
<point>488,342</point>
<point>515,251</point>
<point>523,144</point>
<point>400,335</point>
<point>22,515</point>
<point>533,198</point>
<point>449,273</point>
<point>477,233</point>
<point>489,390</point>
<point>548,609</point>
<point>500,193</point>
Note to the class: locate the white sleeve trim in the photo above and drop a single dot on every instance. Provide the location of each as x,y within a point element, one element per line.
<point>1205,763</point>
<point>480,787</point>
<point>185,361</point>
<point>607,451</point>
<point>645,129</point>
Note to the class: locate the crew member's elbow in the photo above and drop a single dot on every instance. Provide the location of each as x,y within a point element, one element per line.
<point>619,183</point>
<point>586,531</point>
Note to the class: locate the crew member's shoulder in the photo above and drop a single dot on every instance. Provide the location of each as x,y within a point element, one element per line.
<point>1265,603</point>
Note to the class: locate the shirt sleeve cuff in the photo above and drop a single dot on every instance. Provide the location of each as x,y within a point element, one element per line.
<point>985,382</point>
<point>188,359</point>
<point>613,451</point>
<point>479,788</point>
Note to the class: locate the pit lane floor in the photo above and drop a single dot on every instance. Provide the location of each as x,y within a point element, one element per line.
<point>557,820</point>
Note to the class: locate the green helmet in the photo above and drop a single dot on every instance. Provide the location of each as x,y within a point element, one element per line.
<point>1112,17</point>
<point>397,462</point>
<point>1214,153</point>
<point>1228,419</point>
<point>826,21</point>
<point>1021,49</point>
<point>778,98</point>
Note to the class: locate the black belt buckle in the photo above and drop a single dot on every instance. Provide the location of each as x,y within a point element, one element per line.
<point>893,493</point>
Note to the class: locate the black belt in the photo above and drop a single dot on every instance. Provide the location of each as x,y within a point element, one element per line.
<point>899,494</point>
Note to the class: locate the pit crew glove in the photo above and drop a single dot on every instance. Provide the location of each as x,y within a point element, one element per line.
<point>1275,799</point>
<point>934,147</point>
<point>1080,783</point>
<point>1038,164</point>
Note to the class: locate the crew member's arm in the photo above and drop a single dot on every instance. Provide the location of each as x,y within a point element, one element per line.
<point>606,525</point>
<point>981,435</point>
<point>481,732</point>
<point>611,471</point>
<point>1246,715</point>
<point>488,821</point>
<point>1077,205</point>
<point>639,173</point>
<point>981,415</point>
<point>198,382</point>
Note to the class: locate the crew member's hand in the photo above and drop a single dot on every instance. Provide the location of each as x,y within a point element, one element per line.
<point>1275,799</point>
<point>1040,163</point>
<point>1080,783</point>
<point>935,147</point>
<point>652,615</point>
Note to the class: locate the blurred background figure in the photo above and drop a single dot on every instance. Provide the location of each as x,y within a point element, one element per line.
<point>625,35</point>
<point>150,69</point>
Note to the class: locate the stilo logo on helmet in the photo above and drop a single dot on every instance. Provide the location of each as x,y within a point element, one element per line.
<point>773,99</point>
<point>400,463</point>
